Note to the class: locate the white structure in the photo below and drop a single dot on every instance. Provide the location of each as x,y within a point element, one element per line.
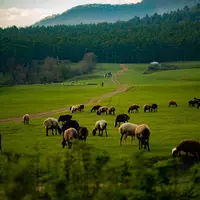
<point>154,63</point>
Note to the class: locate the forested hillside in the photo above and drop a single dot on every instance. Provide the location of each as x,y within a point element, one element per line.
<point>170,37</point>
<point>95,13</point>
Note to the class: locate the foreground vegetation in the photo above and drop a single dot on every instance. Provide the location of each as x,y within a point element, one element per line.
<point>101,168</point>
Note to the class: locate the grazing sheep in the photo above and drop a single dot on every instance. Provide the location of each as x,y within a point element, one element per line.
<point>172,103</point>
<point>111,110</point>
<point>74,108</point>
<point>26,119</point>
<point>196,100</point>
<point>70,124</point>
<point>154,107</point>
<point>121,118</point>
<point>187,146</point>
<point>69,135</point>
<point>95,108</point>
<point>191,103</point>
<point>82,133</point>
<point>142,132</point>
<point>52,123</point>
<point>147,107</point>
<point>133,107</point>
<point>100,125</point>
<point>64,118</point>
<point>127,129</point>
<point>102,109</point>
<point>81,107</point>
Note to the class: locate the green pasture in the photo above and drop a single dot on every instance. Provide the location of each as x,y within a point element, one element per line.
<point>188,72</point>
<point>18,100</point>
<point>169,125</point>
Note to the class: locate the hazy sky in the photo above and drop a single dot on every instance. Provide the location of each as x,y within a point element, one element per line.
<point>26,12</point>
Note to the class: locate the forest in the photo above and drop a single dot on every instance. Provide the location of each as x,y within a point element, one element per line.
<point>33,54</point>
<point>96,13</point>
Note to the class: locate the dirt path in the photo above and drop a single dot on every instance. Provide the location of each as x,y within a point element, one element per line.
<point>114,77</point>
<point>123,88</point>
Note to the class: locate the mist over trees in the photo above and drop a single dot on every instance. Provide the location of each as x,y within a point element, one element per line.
<point>96,13</point>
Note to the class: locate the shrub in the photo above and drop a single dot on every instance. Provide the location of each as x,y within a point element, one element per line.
<point>160,67</point>
<point>85,173</point>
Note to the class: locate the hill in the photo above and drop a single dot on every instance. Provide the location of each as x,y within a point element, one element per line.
<point>95,13</point>
<point>46,54</point>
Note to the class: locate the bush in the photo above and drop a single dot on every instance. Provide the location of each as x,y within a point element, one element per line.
<point>84,173</point>
<point>160,67</point>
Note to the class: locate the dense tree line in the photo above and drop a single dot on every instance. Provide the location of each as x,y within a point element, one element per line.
<point>170,37</point>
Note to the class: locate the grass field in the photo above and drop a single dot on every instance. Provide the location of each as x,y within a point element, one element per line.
<point>181,85</point>
<point>168,126</point>
<point>38,98</point>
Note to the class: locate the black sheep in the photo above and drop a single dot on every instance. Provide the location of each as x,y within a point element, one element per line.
<point>81,107</point>
<point>82,133</point>
<point>64,118</point>
<point>187,146</point>
<point>121,118</point>
<point>191,103</point>
<point>95,108</point>
<point>70,124</point>
<point>147,107</point>
<point>154,107</point>
<point>196,101</point>
<point>133,107</point>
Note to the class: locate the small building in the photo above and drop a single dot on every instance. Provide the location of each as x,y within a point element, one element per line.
<point>154,63</point>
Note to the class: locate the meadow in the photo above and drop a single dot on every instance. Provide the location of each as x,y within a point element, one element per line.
<point>168,126</point>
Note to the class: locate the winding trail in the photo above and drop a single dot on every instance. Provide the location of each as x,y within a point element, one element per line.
<point>114,77</point>
<point>123,88</point>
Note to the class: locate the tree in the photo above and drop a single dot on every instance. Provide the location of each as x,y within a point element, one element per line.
<point>89,61</point>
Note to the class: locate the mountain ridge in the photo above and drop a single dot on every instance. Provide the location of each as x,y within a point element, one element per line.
<point>96,13</point>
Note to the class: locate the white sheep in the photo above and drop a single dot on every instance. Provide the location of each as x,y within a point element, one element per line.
<point>74,108</point>
<point>102,109</point>
<point>142,132</point>
<point>100,125</point>
<point>52,123</point>
<point>26,119</point>
<point>127,129</point>
<point>111,110</point>
<point>68,136</point>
